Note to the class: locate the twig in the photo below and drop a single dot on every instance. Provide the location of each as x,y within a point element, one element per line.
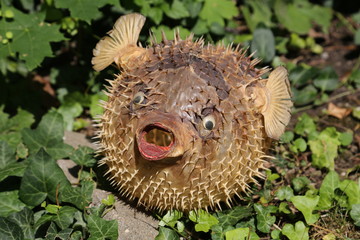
<point>327,230</point>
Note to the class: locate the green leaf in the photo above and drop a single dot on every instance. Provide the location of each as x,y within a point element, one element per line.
<point>69,111</point>
<point>52,233</point>
<point>79,196</point>
<point>83,156</point>
<point>264,218</point>
<point>284,207</point>
<point>86,10</point>
<point>177,10</point>
<point>300,75</point>
<point>325,148</point>
<point>355,214</point>
<point>14,169</point>
<point>169,33</point>
<point>42,178</point>
<point>109,201</point>
<point>95,107</point>
<point>215,11</point>
<point>167,234</point>
<point>10,230</point>
<point>300,144</point>
<point>299,183</point>
<point>256,12</point>
<point>293,17</point>
<point>200,27</point>
<point>352,191</point>
<point>232,216</point>
<point>32,37</point>
<point>327,80</point>
<point>203,220</point>
<point>304,96</point>
<point>305,125</point>
<point>287,137</point>
<point>102,229</point>
<point>48,135</point>
<point>299,232</point>
<point>10,203</point>
<point>170,218</point>
<point>346,138</point>
<point>284,192</point>
<point>25,219</point>
<point>7,155</point>
<point>264,44</point>
<point>237,234</point>
<point>306,205</point>
<point>327,190</point>
<point>357,37</point>
<point>65,217</point>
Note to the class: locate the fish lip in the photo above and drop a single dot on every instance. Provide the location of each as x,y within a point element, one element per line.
<point>150,151</point>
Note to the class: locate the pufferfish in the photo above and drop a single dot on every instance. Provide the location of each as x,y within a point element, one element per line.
<point>186,125</point>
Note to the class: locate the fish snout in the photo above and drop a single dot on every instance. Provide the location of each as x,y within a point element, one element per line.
<point>161,135</point>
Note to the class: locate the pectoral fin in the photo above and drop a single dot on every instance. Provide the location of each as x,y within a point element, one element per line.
<point>277,108</point>
<point>120,45</point>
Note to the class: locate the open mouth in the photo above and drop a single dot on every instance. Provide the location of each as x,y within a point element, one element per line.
<point>155,142</point>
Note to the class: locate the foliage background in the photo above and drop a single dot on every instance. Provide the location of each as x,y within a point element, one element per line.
<point>47,86</point>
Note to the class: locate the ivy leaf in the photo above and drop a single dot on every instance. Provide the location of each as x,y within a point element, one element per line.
<point>287,137</point>
<point>352,191</point>
<point>86,10</point>
<point>264,218</point>
<point>10,230</point>
<point>79,196</point>
<point>10,203</point>
<point>203,220</point>
<point>14,169</point>
<point>305,125</point>
<point>170,218</point>
<point>306,205</point>
<point>257,12</point>
<point>299,232</point>
<point>32,37</point>
<point>264,44</point>
<point>167,234</point>
<point>355,214</point>
<point>69,111</point>
<point>102,229</point>
<point>284,192</point>
<point>95,107</point>
<point>42,178</point>
<point>215,11</point>
<point>327,190</point>
<point>25,219</point>
<point>325,148</point>
<point>241,234</point>
<point>304,96</point>
<point>300,76</point>
<point>7,155</point>
<point>83,156</point>
<point>177,10</point>
<point>293,17</point>
<point>52,233</point>
<point>231,217</point>
<point>64,217</point>
<point>327,80</point>
<point>48,135</point>
<point>346,138</point>
<point>299,183</point>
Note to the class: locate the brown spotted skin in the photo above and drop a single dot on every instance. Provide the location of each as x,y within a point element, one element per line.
<point>183,82</point>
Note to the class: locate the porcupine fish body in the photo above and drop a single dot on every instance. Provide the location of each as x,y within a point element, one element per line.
<point>186,125</point>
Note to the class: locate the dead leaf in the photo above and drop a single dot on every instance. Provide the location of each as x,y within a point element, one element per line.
<point>338,112</point>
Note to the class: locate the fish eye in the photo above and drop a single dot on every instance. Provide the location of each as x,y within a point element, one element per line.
<point>139,98</point>
<point>209,122</point>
